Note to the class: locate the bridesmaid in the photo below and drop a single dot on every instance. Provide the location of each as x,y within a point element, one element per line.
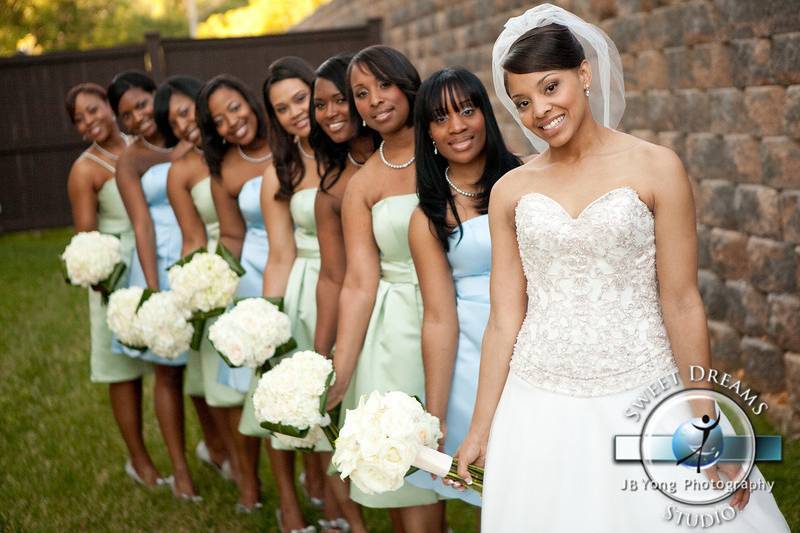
<point>341,144</point>
<point>380,309</point>
<point>287,201</point>
<point>234,132</point>
<point>189,192</point>
<point>142,179</point>
<point>96,205</point>
<point>460,155</point>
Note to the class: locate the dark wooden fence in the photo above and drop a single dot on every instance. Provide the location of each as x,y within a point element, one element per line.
<point>38,142</point>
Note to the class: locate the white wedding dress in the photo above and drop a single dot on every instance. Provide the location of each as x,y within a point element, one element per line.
<point>593,338</point>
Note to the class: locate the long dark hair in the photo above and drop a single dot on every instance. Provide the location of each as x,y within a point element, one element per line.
<point>551,47</point>
<point>450,88</point>
<point>332,156</point>
<point>285,154</point>
<point>214,147</point>
<point>389,65</point>
<point>185,85</point>
<point>124,81</point>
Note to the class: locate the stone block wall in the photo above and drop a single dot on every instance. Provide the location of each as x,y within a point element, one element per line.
<point>718,81</point>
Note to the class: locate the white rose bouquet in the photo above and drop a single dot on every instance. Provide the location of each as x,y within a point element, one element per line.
<point>205,284</point>
<point>252,332</point>
<point>385,436</point>
<point>122,318</point>
<point>165,324</point>
<point>290,399</point>
<point>92,259</point>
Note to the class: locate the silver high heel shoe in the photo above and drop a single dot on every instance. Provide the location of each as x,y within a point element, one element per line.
<point>134,475</point>
<point>193,498</point>
<point>314,503</point>
<point>204,456</point>
<point>279,520</point>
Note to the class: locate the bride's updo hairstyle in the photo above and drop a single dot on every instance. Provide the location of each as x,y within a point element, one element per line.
<point>551,47</point>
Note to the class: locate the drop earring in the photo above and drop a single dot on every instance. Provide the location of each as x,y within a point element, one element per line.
<point>364,122</point>
<point>435,148</point>
<point>586,90</point>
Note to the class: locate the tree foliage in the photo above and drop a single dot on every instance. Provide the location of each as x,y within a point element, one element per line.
<point>34,26</point>
<point>258,17</point>
<point>80,24</point>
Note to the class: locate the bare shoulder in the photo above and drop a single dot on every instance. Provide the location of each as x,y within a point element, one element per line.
<point>83,172</point>
<point>366,182</point>
<point>270,184</point>
<point>660,167</point>
<point>516,182</point>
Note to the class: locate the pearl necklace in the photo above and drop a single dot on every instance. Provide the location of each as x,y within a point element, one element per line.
<point>250,159</point>
<point>353,160</point>
<point>112,156</point>
<point>303,152</point>
<point>394,165</point>
<point>155,148</point>
<point>453,186</point>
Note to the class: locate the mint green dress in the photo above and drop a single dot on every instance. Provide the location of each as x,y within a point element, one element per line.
<point>391,358</point>
<point>106,365</point>
<point>300,298</point>
<point>201,197</point>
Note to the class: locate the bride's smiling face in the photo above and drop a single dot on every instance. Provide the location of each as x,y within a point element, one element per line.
<point>552,103</point>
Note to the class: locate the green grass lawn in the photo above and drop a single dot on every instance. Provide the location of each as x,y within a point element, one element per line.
<point>61,457</point>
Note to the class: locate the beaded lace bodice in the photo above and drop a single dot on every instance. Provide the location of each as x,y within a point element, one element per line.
<point>593,324</point>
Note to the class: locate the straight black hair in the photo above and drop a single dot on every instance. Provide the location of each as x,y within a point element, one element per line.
<point>124,81</point>
<point>185,85</point>
<point>551,47</point>
<point>388,65</point>
<point>285,154</point>
<point>214,146</point>
<point>453,88</point>
<point>332,156</point>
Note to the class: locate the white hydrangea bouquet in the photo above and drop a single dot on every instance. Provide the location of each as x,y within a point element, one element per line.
<point>205,284</point>
<point>165,324</point>
<point>92,259</point>
<point>252,333</point>
<point>290,399</point>
<point>387,435</point>
<point>122,318</point>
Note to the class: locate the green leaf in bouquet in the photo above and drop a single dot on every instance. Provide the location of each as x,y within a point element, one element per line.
<point>140,349</point>
<point>109,285</point>
<point>233,263</point>
<point>146,294</point>
<point>205,315</point>
<point>276,301</point>
<point>224,357</point>
<point>285,348</point>
<point>285,430</point>
<point>188,257</point>
<point>198,324</point>
<point>323,399</point>
<point>64,272</point>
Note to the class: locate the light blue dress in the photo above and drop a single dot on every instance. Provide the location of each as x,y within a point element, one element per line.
<point>470,261</point>
<point>255,249</point>
<point>168,245</point>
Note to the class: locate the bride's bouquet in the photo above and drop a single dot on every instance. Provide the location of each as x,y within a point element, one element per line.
<point>165,324</point>
<point>122,318</point>
<point>385,436</point>
<point>290,399</point>
<point>92,259</point>
<point>251,333</point>
<point>205,284</point>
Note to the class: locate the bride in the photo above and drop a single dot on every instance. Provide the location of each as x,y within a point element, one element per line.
<point>599,230</point>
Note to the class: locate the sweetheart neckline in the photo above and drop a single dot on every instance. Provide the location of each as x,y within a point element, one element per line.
<point>589,205</point>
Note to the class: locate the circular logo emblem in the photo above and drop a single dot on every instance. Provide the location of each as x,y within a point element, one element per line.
<point>700,444</point>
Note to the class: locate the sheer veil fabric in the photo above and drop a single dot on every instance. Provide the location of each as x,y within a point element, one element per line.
<point>607,94</point>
